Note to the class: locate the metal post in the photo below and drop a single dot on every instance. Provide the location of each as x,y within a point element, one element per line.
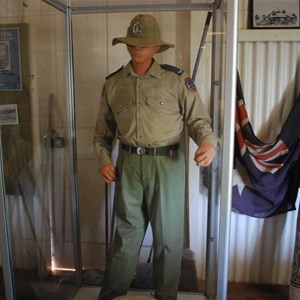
<point>214,185</point>
<point>5,244</point>
<point>72,135</point>
<point>228,145</point>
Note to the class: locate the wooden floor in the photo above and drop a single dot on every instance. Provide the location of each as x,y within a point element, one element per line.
<point>240,291</point>
<point>252,291</point>
<point>54,289</point>
<point>236,291</point>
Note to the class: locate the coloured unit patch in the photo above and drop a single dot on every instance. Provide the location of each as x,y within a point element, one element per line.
<point>190,85</point>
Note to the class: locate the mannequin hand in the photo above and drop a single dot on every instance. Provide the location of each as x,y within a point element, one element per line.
<point>204,155</point>
<point>108,172</point>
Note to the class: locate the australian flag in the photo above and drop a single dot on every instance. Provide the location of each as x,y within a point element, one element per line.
<point>266,175</point>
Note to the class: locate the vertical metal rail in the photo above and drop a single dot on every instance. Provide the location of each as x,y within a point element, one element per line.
<point>214,186</point>
<point>228,145</point>
<point>72,135</point>
<point>5,244</point>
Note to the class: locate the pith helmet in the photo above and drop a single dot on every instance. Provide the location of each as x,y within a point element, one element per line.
<point>143,31</point>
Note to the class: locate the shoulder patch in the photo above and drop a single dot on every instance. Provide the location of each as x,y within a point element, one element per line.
<point>190,84</point>
<point>172,69</point>
<point>112,74</point>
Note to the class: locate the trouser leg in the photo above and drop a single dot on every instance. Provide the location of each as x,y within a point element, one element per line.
<point>131,225</point>
<point>159,181</point>
<point>164,195</point>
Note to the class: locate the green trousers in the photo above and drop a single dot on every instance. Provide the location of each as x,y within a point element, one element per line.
<point>149,189</point>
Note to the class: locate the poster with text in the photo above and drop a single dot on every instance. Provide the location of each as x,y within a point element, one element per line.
<point>10,65</point>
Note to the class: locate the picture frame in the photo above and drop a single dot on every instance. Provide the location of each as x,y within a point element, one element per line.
<point>274,14</point>
<point>10,61</point>
<point>9,114</point>
<point>15,101</point>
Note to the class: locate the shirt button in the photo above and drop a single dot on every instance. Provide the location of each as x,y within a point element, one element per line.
<point>161,103</point>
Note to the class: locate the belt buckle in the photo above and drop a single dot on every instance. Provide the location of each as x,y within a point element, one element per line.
<point>140,150</point>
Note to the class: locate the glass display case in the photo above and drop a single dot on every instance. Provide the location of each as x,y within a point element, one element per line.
<point>56,213</point>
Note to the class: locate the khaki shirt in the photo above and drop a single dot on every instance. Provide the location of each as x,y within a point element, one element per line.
<point>149,110</point>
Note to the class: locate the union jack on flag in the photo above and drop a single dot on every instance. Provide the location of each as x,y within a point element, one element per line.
<point>266,175</point>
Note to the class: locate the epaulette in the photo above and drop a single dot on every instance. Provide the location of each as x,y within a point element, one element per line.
<point>113,73</point>
<point>172,69</point>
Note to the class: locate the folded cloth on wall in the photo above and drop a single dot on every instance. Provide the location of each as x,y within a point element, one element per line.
<point>266,175</point>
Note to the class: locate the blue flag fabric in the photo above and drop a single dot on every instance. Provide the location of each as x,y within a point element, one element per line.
<point>266,175</point>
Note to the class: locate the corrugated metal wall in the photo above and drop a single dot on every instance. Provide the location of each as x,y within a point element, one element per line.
<point>269,66</point>
<point>261,250</point>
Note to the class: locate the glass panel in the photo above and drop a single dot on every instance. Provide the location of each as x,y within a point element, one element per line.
<point>36,149</point>
<point>94,59</point>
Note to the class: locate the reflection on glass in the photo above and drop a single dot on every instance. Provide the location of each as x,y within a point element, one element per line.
<point>94,59</point>
<point>37,150</point>
<point>36,157</point>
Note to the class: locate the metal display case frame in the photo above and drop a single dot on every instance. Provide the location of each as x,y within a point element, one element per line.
<point>219,196</point>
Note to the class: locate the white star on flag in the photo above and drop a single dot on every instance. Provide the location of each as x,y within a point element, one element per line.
<point>240,177</point>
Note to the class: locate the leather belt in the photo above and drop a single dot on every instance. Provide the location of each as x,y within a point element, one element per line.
<point>169,150</point>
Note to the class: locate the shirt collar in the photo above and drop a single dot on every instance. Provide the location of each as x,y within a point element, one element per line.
<point>154,71</point>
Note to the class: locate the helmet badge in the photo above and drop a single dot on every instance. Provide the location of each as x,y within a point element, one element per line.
<point>137,28</point>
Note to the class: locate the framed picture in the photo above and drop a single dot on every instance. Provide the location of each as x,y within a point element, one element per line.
<point>10,64</point>
<point>274,14</point>
<point>15,102</point>
<point>9,114</point>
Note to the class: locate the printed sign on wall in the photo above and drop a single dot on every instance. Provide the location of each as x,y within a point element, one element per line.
<point>10,66</point>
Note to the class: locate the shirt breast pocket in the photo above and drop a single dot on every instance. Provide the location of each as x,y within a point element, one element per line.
<point>119,107</point>
<point>123,114</point>
<point>162,103</point>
